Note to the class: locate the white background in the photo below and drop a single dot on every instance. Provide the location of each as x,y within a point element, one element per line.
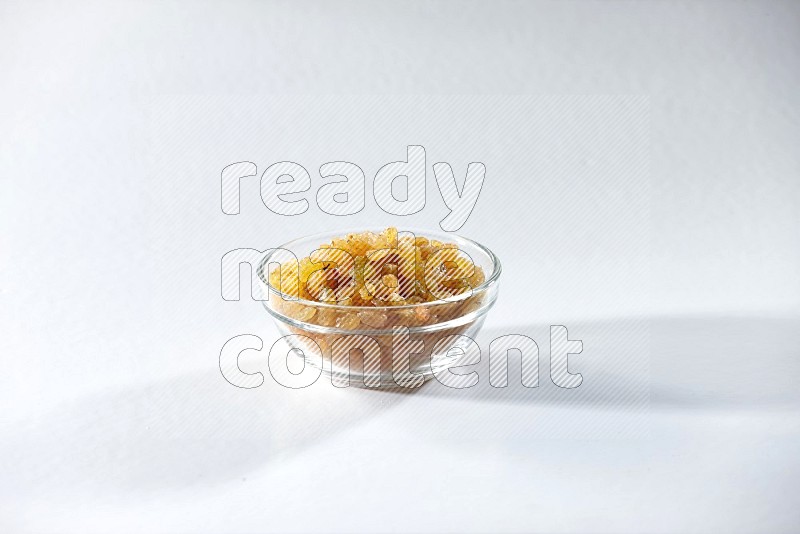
<point>681,279</point>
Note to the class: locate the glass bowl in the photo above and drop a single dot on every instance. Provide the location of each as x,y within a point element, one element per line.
<point>391,346</point>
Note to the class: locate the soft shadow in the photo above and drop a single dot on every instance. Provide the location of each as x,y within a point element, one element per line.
<point>196,429</point>
<point>670,362</point>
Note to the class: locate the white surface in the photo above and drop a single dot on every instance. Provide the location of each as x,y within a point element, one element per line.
<point>116,123</point>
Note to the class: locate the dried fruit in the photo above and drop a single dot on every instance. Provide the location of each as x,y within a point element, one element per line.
<point>306,313</point>
<point>375,319</point>
<point>348,321</point>
<point>379,270</point>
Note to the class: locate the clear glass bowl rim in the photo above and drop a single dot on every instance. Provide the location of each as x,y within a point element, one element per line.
<point>328,235</point>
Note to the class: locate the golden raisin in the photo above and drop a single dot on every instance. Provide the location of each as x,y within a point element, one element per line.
<point>382,269</point>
